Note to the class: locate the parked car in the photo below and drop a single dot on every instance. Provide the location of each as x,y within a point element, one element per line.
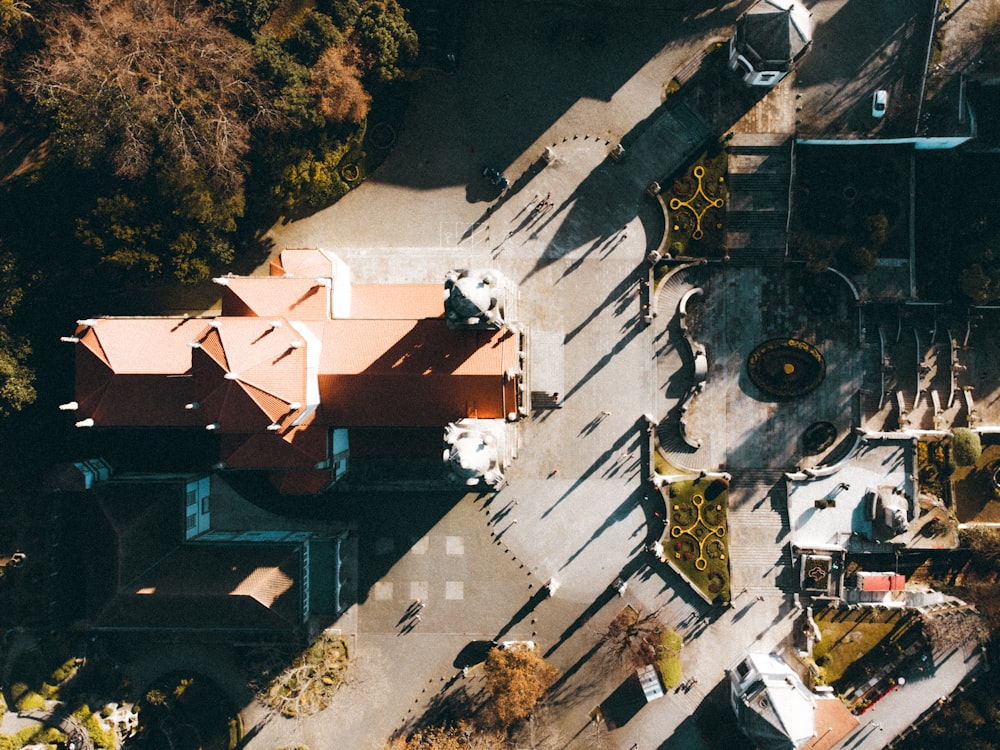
<point>525,645</point>
<point>496,177</point>
<point>880,100</point>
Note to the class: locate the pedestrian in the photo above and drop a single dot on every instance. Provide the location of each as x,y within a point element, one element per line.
<point>420,605</point>
<point>760,598</point>
<point>553,472</point>
<point>513,522</point>
<point>465,671</point>
<point>605,413</point>
<point>547,196</point>
<point>417,618</point>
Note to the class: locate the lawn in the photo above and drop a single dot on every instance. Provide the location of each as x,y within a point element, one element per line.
<point>848,635</point>
<point>697,539</point>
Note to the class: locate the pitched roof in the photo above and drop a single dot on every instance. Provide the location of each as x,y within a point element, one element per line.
<point>413,373</point>
<point>134,371</point>
<point>773,33</point>
<point>248,373</point>
<point>140,574</point>
<point>295,297</point>
<point>409,301</point>
<point>305,261</point>
<point>218,586</point>
<point>301,447</point>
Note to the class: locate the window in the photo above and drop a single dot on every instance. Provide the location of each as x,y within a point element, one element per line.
<point>192,522</point>
<point>204,505</point>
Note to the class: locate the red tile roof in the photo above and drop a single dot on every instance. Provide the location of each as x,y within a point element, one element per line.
<point>413,373</point>
<point>302,261</point>
<point>266,297</point>
<point>135,371</point>
<point>298,448</point>
<point>405,301</point>
<point>247,373</point>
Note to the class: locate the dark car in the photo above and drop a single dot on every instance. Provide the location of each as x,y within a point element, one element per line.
<point>496,177</point>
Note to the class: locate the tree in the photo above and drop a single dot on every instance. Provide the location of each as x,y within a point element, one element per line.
<point>462,736</point>
<point>128,81</point>
<point>386,42</point>
<point>17,377</point>
<point>953,628</point>
<point>336,83</point>
<point>633,638</point>
<point>983,542</point>
<point>516,677</point>
<point>314,34</point>
<point>858,259</point>
<point>309,683</point>
<point>966,447</point>
<point>11,13</point>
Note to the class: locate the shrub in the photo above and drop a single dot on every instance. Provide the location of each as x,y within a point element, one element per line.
<point>668,658</point>
<point>858,259</point>
<point>877,229</point>
<point>30,701</point>
<point>966,447</point>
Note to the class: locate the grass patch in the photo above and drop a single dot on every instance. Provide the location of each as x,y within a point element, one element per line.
<point>668,658</point>
<point>697,539</point>
<point>847,637</point>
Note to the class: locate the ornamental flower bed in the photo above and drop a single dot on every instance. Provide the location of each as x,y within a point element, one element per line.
<point>697,207</point>
<point>697,536</point>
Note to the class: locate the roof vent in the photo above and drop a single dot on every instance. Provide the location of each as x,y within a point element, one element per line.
<point>85,423</point>
<point>69,406</point>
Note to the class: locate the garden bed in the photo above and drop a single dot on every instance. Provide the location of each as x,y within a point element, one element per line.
<point>977,496</point>
<point>696,201</point>
<point>697,539</point>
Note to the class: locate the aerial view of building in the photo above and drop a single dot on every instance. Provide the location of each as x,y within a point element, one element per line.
<point>541,376</point>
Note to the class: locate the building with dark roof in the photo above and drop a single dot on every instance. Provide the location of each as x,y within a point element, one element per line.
<point>768,39</point>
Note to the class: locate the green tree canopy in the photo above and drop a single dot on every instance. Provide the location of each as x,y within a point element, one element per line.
<point>966,447</point>
<point>385,40</point>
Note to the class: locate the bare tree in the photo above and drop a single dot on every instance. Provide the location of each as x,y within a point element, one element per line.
<point>633,638</point>
<point>953,628</point>
<point>132,80</point>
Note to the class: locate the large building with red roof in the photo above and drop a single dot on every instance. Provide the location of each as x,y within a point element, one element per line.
<point>298,358</point>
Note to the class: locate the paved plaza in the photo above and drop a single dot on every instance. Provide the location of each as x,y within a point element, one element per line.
<point>578,508</point>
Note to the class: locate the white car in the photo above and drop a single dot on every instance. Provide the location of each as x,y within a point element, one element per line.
<point>525,645</point>
<point>880,100</point>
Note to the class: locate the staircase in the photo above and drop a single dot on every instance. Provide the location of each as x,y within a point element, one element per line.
<point>760,169</point>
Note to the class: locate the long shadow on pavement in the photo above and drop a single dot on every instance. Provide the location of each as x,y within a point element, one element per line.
<point>712,725</point>
<point>619,444</point>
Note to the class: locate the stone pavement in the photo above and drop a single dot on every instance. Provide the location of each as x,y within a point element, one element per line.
<point>577,508</point>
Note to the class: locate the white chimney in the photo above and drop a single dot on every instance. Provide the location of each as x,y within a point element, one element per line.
<point>69,406</point>
<point>192,406</point>
<point>85,423</point>
<point>213,426</point>
<point>70,339</point>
